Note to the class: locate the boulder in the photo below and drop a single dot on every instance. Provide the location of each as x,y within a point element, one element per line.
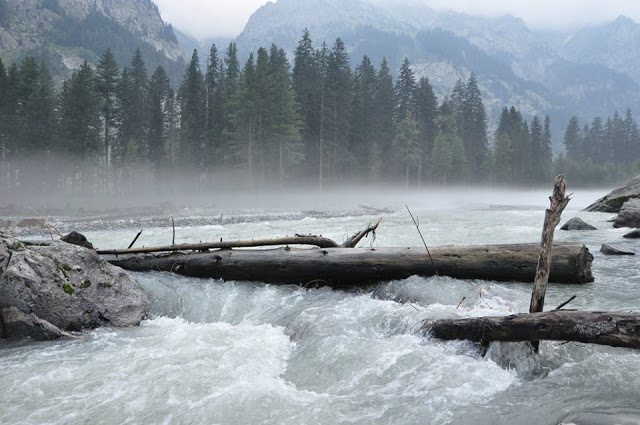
<point>49,290</point>
<point>629,215</point>
<point>609,250</point>
<point>632,235</point>
<point>577,224</point>
<point>614,201</point>
<point>76,238</point>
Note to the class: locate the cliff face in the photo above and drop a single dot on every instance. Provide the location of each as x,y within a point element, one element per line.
<point>64,33</point>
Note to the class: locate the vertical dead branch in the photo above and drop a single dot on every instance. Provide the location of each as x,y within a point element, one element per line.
<point>552,218</point>
<point>423,241</point>
<point>134,239</point>
<point>173,226</point>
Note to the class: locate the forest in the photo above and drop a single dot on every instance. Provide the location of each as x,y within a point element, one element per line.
<point>270,125</point>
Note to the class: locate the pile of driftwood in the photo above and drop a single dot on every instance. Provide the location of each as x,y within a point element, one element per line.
<point>345,266</point>
<point>613,329</point>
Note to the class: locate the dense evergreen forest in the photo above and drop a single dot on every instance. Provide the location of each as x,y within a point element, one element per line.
<point>271,125</point>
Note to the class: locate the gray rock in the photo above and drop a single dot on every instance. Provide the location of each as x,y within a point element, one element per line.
<point>609,250</point>
<point>632,235</point>
<point>577,224</point>
<point>65,286</point>
<point>76,238</point>
<point>614,201</point>
<point>629,215</point>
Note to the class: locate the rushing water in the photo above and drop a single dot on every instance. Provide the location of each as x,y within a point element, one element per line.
<point>250,353</point>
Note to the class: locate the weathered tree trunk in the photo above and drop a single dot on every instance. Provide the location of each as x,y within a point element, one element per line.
<point>551,219</point>
<point>350,267</point>
<point>614,329</point>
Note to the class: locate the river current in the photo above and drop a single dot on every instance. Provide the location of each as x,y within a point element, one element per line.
<point>248,353</point>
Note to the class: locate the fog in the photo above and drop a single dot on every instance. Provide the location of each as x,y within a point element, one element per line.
<point>64,188</point>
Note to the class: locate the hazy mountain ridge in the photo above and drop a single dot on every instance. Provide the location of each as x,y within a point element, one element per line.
<point>64,33</point>
<point>515,65</point>
<point>615,45</point>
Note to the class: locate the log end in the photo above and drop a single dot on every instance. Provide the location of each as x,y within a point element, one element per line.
<point>583,265</point>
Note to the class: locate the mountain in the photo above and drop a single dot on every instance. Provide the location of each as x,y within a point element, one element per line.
<point>539,73</point>
<point>64,33</point>
<point>615,45</point>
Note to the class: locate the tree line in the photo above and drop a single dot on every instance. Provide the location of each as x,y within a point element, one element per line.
<point>319,122</point>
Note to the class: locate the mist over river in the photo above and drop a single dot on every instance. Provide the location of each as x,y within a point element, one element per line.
<point>248,353</point>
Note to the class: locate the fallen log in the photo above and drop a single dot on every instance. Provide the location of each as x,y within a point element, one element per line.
<point>613,329</point>
<point>351,267</point>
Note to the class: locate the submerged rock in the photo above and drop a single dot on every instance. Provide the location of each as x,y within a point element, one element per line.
<point>51,289</point>
<point>609,250</point>
<point>632,235</point>
<point>629,215</point>
<point>577,224</point>
<point>614,201</point>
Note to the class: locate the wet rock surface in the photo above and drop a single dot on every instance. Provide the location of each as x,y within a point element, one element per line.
<point>51,289</point>
<point>614,201</point>
<point>577,224</point>
<point>611,250</point>
<point>629,215</point>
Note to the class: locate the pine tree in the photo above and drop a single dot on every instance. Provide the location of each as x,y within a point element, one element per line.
<point>307,85</point>
<point>449,159</point>
<point>537,159</point>
<point>192,107</point>
<point>502,159</point>
<point>573,140</point>
<point>363,124</point>
<point>547,152</point>
<point>133,98</point>
<point>159,91</point>
<point>474,130</point>
<point>338,102</point>
<point>283,120</point>
<point>407,147</point>
<point>405,91</point>
<point>80,115</point>
<point>107,73</point>
<point>427,114</point>
<point>214,105</point>
<point>384,119</point>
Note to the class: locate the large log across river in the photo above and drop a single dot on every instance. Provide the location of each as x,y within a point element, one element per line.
<point>613,329</point>
<point>353,267</point>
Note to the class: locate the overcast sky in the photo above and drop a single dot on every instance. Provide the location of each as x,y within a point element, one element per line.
<point>214,18</point>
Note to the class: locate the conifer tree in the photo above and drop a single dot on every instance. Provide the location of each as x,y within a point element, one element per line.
<point>363,122</point>
<point>427,114</point>
<point>214,105</point>
<point>192,107</point>
<point>384,114</point>
<point>107,73</point>
<point>80,115</point>
<point>284,124</point>
<point>133,98</point>
<point>159,91</point>
<point>474,130</point>
<point>405,91</point>
<point>339,106</point>
<point>307,85</point>
<point>407,147</point>
<point>573,140</point>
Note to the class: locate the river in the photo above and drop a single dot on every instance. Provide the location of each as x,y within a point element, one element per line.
<point>248,353</point>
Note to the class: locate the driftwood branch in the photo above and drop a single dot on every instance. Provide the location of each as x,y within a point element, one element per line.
<point>296,240</point>
<point>613,329</point>
<point>355,239</point>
